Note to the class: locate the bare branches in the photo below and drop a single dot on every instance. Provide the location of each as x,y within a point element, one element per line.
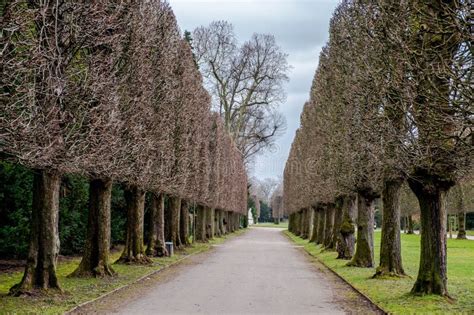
<point>246,83</point>
<point>111,90</point>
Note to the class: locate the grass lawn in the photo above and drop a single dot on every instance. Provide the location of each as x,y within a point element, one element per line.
<point>282,225</point>
<point>77,291</point>
<point>392,294</point>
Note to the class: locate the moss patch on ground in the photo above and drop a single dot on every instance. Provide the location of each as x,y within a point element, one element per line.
<point>78,290</point>
<point>393,294</point>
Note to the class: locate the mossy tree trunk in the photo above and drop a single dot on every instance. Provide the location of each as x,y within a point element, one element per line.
<point>321,222</point>
<point>329,227</point>
<point>156,240</point>
<point>299,223</point>
<point>95,260</point>
<point>364,254</point>
<point>345,249</point>
<point>462,226</point>
<point>314,232</point>
<point>210,231</point>
<point>134,250</point>
<point>431,277</point>
<point>40,270</point>
<point>390,247</point>
<point>200,224</point>
<point>336,235</point>
<point>184,223</point>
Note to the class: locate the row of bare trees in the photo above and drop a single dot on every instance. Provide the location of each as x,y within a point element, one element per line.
<point>391,102</point>
<point>110,90</point>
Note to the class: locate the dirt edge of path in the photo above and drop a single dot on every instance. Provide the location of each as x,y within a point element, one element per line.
<point>376,307</point>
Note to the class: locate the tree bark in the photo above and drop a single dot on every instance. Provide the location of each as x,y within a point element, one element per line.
<point>410,229</point>
<point>300,223</point>
<point>221,222</point>
<point>210,231</point>
<point>390,247</point>
<point>156,241</point>
<point>134,250</point>
<point>184,223</point>
<point>329,227</point>
<point>462,226</point>
<point>225,221</point>
<point>345,250</point>
<point>200,224</point>
<point>364,254</point>
<point>321,223</point>
<point>314,232</point>
<point>305,222</point>
<point>175,211</point>
<point>95,260</point>
<point>40,270</point>
<point>217,215</point>
<point>432,270</point>
<point>336,235</point>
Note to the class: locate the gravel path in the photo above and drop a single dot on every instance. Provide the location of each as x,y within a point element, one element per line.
<point>260,272</point>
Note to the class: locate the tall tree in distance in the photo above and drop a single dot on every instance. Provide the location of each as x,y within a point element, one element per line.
<point>246,83</point>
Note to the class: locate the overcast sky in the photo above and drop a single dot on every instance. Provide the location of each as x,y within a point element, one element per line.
<point>300,28</point>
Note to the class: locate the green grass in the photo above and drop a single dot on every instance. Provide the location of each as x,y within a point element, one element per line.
<point>282,225</point>
<point>77,291</point>
<point>392,294</point>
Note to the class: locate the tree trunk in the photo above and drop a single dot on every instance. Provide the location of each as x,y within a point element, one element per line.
<point>364,254</point>
<point>345,250</point>
<point>184,223</point>
<point>321,221</point>
<point>40,271</point>
<point>462,226</point>
<point>221,222</point>
<point>95,260</point>
<point>300,223</point>
<point>336,235</point>
<point>291,223</point>
<point>225,222</point>
<point>432,271</point>
<point>390,247</point>
<point>314,232</point>
<point>175,211</point>
<point>410,225</point>
<point>329,227</point>
<point>305,222</point>
<point>217,215</point>
<point>201,224</point>
<point>156,241</point>
<point>210,231</point>
<point>134,251</point>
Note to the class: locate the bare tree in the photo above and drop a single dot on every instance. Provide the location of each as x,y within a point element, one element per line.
<point>246,83</point>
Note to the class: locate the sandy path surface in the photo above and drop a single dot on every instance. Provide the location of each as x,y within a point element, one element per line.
<point>259,272</point>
